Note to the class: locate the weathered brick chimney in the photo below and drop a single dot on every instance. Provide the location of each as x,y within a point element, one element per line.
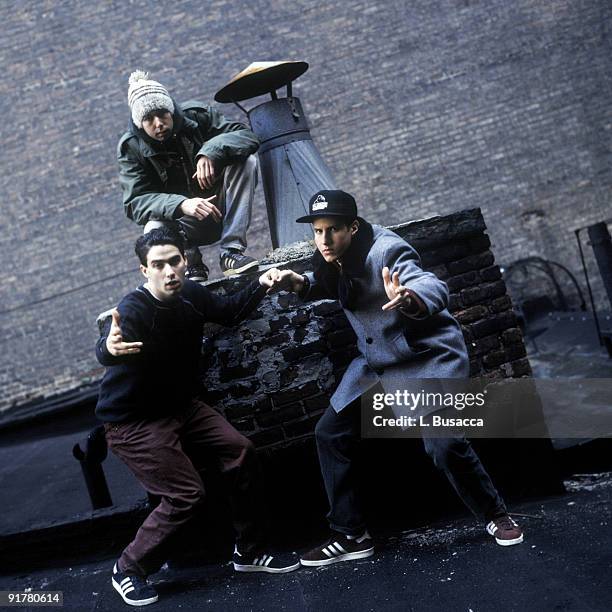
<point>273,375</point>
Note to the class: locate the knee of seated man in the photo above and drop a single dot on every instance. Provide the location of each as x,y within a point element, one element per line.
<point>248,165</point>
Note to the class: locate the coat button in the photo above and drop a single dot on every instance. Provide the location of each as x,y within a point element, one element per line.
<point>369,340</point>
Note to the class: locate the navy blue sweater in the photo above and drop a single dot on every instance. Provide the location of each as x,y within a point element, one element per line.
<point>163,377</point>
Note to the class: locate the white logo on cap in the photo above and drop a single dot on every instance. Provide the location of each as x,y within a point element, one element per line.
<point>320,203</point>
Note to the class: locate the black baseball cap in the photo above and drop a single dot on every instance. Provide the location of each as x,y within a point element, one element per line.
<point>330,203</point>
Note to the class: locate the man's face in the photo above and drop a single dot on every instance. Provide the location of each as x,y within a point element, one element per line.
<point>165,271</point>
<point>158,124</point>
<point>333,237</point>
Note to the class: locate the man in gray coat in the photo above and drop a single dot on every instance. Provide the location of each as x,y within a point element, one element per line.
<point>404,332</point>
<point>188,168</point>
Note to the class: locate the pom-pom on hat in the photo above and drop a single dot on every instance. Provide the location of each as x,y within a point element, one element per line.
<point>145,96</point>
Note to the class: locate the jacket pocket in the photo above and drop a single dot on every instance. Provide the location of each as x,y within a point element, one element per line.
<point>405,351</point>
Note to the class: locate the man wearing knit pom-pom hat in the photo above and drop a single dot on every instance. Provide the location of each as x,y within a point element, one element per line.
<point>188,168</point>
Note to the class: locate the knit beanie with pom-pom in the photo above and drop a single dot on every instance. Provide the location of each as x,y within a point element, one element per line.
<point>145,96</point>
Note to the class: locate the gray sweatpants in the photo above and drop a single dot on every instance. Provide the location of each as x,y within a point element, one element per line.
<point>235,194</point>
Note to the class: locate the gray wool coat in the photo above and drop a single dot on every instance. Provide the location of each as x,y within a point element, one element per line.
<point>394,349</point>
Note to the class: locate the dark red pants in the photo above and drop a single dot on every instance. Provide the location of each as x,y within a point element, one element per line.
<point>166,455</point>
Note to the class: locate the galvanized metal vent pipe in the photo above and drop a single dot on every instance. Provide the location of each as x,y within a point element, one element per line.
<point>291,166</point>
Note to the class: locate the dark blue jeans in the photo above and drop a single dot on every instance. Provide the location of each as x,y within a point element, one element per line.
<point>338,438</point>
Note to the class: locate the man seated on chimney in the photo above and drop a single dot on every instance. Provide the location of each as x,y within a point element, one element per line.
<point>404,333</point>
<point>187,167</point>
<point>155,423</point>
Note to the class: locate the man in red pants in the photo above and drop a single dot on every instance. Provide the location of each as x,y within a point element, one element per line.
<point>154,422</point>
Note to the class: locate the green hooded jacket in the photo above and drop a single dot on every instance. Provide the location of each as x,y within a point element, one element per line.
<point>156,178</point>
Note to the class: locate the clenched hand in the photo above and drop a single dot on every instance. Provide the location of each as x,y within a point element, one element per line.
<point>277,280</point>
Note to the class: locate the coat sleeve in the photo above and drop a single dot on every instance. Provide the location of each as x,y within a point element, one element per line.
<point>226,141</point>
<point>143,197</point>
<point>228,310</point>
<point>313,289</point>
<point>400,257</point>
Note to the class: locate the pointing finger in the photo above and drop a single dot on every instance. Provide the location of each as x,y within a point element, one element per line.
<point>130,345</point>
<point>394,303</point>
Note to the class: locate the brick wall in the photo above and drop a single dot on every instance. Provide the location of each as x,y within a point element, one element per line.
<point>273,375</point>
<point>419,108</point>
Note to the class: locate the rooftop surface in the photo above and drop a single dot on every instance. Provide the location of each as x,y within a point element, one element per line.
<point>564,564</point>
<point>52,540</point>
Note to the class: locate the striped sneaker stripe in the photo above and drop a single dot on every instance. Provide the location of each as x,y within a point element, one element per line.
<point>335,548</point>
<point>133,589</point>
<point>269,559</point>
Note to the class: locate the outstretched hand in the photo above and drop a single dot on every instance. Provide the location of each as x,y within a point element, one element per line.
<point>114,341</point>
<point>279,280</point>
<point>399,296</point>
